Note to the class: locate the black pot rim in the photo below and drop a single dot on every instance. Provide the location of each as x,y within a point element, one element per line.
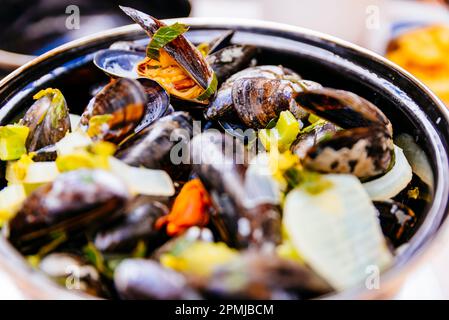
<point>30,279</point>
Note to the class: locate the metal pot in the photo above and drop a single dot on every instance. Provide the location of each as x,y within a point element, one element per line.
<point>407,102</point>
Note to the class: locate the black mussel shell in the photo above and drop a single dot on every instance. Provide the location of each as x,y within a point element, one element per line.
<point>139,279</point>
<point>230,60</point>
<point>343,108</point>
<point>125,101</point>
<point>364,152</point>
<point>158,102</point>
<point>306,141</point>
<point>137,224</point>
<point>155,146</point>
<point>398,221</point>
<point>76,200</point>
<point>220,42</point>
<point>220,162</point>
<point>239,130</point>
<point>119,63</point>
<point>255,275</point>
<point>180,49</point>
<point>48,120</point>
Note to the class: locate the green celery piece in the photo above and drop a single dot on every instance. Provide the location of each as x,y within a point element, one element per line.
<point>12,141</point>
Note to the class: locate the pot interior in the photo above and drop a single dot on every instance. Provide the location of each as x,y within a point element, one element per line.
<point>410,109</point>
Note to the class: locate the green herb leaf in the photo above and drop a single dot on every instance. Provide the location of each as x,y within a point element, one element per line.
<point>95,257</point>
<point>210,89</point>
<point>163,36</point>
<point>272,123</point>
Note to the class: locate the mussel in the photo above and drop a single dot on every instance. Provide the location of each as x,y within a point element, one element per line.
<point>255,275</point>
<point>307,140</point>
<point>195,79</point>
<point>158,103</point>
<point>257,101</point>
<point>48,119</point>
<point>397,221</point>
<point>219,162</point>
<point>137,224</point>
<point>162,145</point>
<point>220,42</point>
<point>258,96</point>
<point>118,63</point>
<point>146,279</point>
<point>227,61</point>
<point>75,200</point>
<point>119,108</point>
<point>364,149</point>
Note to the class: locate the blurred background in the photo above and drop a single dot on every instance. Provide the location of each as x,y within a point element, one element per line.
<point>412,33</point>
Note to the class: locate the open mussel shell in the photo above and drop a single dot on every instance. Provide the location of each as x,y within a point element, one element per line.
<point>119,63</point>
<point>220,42</point>
<point>398,221</point>
<point>181,50</point>
<point>139,279</point>
<point>305,141</point>
<point>137,224</point>
<point>74,201</point>
<point>364,152</point>
<point>48,120</point>
<point>229,60</point>
<point>256,275</point>
<point>221,163</point>
<point>343,108</point>
<point>158,102</point>
<point>161,145</point>
<point>125,101</point>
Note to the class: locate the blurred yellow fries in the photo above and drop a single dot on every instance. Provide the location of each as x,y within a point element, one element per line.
<point>424,52</point>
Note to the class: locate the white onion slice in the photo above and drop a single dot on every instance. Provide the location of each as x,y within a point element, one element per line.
<point>11,199</point>
<point>41,172</point>
<point>337,231</point>
<point>74,121</point>
<point>142,180</point>
<point>72,141</point>
<point>416,157</point>
<point>260,187</point>
<point>37,172</point>
<point>394,181</point>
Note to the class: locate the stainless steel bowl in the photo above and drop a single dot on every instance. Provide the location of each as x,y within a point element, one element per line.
<point>410,105</point>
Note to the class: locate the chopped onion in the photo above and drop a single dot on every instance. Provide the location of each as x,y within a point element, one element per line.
<point>260,186</point>
<point>41,172</point>
<point>394,181</point>
<point>142,180</point>
<point>337,231</point>
<point>11,199</point>
<point>74,121</point>
<point>416,157</point>
<point>36,173</point>
<point>72,141</point>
